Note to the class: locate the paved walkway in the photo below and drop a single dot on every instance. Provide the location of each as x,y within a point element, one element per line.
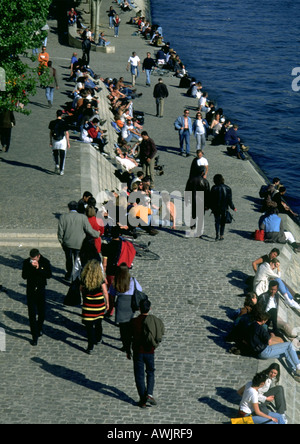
<point>194,286</point>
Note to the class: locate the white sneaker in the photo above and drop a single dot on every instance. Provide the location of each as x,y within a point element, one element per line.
<point>62,172</point>
<point>284,418</point>
<point>56,169</point>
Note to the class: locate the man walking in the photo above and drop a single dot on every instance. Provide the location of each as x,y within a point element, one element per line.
<point>184,125</point>
<point>7,122</point>
<point>134,63</point>
<point>43,59</point>
<point>147,331</point>
<point>72,229</point>
<point>148,153</point>
<point>59,141</point>
<point>160,92</point>
<point>148,65</point>
<point>86,48</point>
<point>36,270</point>
<point>53,82</point>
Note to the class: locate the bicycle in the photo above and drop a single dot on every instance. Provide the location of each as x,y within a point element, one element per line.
<point>142,250</point>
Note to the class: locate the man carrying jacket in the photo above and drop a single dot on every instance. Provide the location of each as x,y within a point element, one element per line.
<point>143,356</point>
<point>148,153</point>
<point>72,229</point>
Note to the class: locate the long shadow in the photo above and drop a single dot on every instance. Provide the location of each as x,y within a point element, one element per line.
<point>168,149</point>
<point>14,262</point>
<point>41,105</point>
<point>68,374</point>
<point>257,201</point>
<point>220,330</point>
<point>243,233</point>
<point>238,278</point>
<point>19,333</point>
<point>218,407</point>
<point>27,165</point>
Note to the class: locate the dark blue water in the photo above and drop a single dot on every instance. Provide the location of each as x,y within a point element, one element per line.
<point>244,53</point>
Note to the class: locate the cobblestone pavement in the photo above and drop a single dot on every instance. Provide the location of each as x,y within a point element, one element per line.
<point>194,287</point>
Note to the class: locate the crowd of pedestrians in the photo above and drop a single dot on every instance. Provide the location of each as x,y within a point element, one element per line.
<point>100,270</point>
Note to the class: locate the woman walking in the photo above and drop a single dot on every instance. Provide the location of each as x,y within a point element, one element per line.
<point>95,301</point>
<point>123,288</point>
<point>221,200</point>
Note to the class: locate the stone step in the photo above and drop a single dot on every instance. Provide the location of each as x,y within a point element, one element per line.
<point>28,238</point>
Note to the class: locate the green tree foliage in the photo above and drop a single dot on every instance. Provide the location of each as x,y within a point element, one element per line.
<point>20,31</point>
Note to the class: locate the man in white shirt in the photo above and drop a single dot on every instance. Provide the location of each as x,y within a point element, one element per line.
<point>197,163</point>
<point>134,63</point>
<point>268,302</point>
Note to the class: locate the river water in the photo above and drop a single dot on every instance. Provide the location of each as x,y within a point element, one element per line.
<point>244,53</point>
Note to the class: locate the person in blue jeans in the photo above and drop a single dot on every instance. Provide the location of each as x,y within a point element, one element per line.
<point>185,127</point>
<point>265,345</point>
<point>249,404</point>
<point>232,139</point>
<point>143,358</point>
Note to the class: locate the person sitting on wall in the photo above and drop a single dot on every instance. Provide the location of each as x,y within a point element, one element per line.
<point>102,40</point>
<point>281,204</point>
<point>235,145</point>
<point>272,225</point>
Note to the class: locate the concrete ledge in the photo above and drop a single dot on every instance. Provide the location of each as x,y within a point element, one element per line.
<point>76,42</point>
<point>290,268</point>
<point>110,49</point>
<point>29,238</point>
<point>97,173</point>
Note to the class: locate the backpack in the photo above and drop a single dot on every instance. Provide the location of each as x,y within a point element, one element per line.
<point>58,132</point>
<point>153,330</point>
<point>137,297</point>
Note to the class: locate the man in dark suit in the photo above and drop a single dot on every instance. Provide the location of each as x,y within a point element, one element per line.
<point>36,270</point>
<point>160,92</point>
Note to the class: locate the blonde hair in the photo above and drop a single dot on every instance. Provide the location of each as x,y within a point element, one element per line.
<point>90,211</point>
<point>92,275</point>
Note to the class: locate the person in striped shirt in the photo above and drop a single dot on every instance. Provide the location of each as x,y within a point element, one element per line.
<point>94,301</point>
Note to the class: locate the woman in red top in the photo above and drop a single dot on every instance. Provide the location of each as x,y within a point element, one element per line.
<point>91,214</point>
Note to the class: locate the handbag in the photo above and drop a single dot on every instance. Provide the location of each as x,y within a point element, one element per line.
<point>228,217</point>
<point>73,297</point>
<point>259,235</point>
<point>137,297</point>
<point>243,420</point>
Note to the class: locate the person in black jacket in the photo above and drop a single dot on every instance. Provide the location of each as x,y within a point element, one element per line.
<point>7,122</point>
<point>220,200</point>
<point>199,202</point>
<point>160,92</point>
<point>148,65</point>
<point>36,270</point>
